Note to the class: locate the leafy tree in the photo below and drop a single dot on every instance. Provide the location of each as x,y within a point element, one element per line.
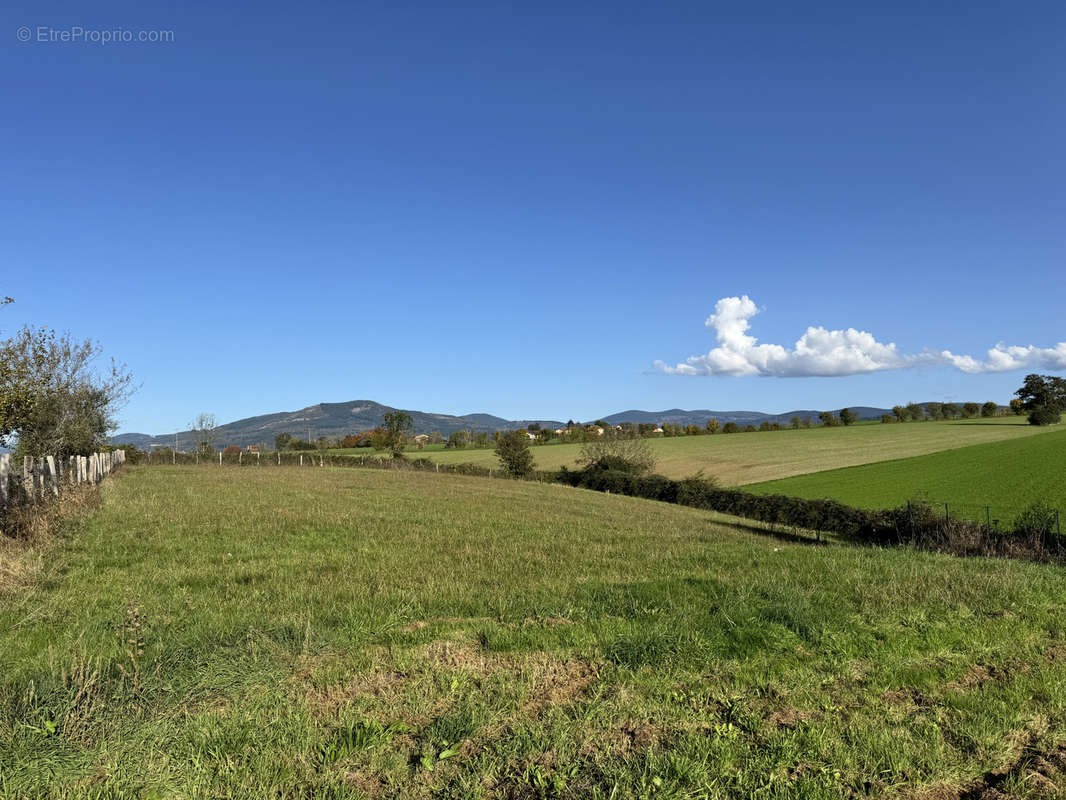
<point>828,418</point>
<point>990,409</point>
<point>1044,397</point>
<point>915,411</point>
<point>398,425</point>
<point>847,416</point>
<point>53,400</point>
<point>950,411</point>
<point>794,423</point>
<point>730,427</point>
<point>901,413</point>
<point>934,410</point>
<point>282,440</point>
<point>970,410</point>
<point>512,449</point>
<point>457,440</point>
<point>1016,407</point>
<point>886,418</point>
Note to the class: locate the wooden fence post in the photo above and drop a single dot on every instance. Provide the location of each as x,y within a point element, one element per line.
<point>53,474</point>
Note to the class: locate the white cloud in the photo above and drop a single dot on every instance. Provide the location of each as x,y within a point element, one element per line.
<point>824,353</point>
<point>1002,358</point>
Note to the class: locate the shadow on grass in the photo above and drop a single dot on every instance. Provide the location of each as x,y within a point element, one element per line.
<point>791,536</point>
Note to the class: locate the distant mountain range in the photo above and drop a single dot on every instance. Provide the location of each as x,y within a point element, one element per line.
<point>336,420</point>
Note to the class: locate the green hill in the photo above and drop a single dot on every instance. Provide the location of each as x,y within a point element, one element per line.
<point>1007,476</point>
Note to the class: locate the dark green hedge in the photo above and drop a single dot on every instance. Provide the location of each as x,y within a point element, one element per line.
<point>914,523</point>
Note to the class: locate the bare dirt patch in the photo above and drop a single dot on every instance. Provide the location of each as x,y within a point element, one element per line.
<point>557,683</point>
<point>1042,771</point>
<point>791,718</point>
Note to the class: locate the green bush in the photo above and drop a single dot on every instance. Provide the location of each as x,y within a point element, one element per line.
<point>1044,416</point>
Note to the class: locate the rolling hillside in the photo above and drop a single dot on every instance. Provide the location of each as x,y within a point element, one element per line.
<point>336,420</point>
<point>744,458</point>
<point>1007,476</point>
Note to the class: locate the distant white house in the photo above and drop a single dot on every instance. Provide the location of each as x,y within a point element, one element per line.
<point>531,435</point>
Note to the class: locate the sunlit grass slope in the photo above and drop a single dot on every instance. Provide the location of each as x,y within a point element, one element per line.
<point>742,458</point>
<point>248,633</point>
<point>1007,476</point>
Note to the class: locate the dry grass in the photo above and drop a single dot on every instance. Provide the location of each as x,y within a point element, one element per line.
<point>27,531</point>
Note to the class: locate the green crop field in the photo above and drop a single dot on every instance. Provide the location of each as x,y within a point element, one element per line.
<point>742,458</point>
<point>330,633</point>
<point>1006,476</point>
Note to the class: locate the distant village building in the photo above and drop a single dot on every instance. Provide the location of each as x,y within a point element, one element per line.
<point>252,448</point>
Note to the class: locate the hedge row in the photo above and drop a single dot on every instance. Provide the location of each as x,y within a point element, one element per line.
<point>1033,535</point>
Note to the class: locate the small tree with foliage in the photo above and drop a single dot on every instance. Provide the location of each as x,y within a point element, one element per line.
<point>397,427</point>
<point>1044,397</point>
<point>990,409</point>
<point>512,449</point>
<point>847,416</point>
<point>970,410</point>
<point>828,418</point>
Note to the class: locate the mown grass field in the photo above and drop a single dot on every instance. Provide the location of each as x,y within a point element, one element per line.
<point>743,458</point>
<point>1007,476</point>
<point>245,633</point>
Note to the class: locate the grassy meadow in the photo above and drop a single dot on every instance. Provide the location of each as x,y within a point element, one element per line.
<point>742,458</point>
<point>339,633</point>
<point>1007,476</point>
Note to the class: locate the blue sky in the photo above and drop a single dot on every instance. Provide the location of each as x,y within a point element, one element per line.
<point>468,207</point>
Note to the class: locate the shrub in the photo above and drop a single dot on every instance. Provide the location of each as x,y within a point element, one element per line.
<point>616,452</point>
<point>512,449</point>
<point>1038,520</point>
<point>1044,416</point>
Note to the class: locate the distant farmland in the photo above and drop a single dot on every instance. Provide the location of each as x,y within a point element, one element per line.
<point>1006,475</point>
<point>742,458</point>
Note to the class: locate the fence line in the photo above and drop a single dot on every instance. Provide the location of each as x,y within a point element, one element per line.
<point>49,475</point>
